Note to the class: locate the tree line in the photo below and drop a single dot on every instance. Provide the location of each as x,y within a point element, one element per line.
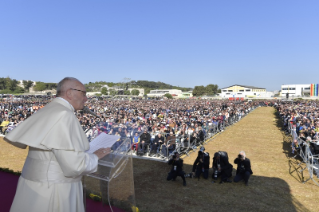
<point>12,86</point>
<point>147,85</point>
<point>8,85</point>
<point>209,90</point>
<point>114,92</point>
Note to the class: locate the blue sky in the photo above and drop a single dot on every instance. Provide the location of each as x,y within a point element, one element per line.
<point>264,43</point>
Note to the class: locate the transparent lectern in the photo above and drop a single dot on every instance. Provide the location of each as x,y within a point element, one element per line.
<point>113,184</point>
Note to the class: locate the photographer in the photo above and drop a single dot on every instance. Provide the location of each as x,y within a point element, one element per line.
<point>243,168</point>
<point>222,167</point>
<point>201,164</point>
<point>177,168</point>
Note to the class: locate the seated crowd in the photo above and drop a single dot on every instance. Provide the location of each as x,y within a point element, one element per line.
<point>155,127</point>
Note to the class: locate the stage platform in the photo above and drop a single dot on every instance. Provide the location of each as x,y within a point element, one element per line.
<point>8,185</point>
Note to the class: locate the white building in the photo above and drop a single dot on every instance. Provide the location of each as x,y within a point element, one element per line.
<point>117,88</point>
<point>295,90</point>
<point>244,91</point>
<point>141,90</point>
<point>160,93</point>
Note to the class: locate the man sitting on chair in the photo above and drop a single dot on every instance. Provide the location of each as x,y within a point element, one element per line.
<point>158,141</point>
<point>169,144</point>
<point>145,140</point>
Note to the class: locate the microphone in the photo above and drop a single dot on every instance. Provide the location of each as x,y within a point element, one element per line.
<point>87,110</point>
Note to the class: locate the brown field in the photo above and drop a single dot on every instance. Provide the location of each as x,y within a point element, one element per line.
<point>271,188</point>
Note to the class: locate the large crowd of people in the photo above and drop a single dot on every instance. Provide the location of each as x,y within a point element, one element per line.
<point>302,119</point>
<point>58,133</point>
<point>155,127</point>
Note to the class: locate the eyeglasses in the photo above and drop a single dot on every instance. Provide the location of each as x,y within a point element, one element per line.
<point>83,92</point>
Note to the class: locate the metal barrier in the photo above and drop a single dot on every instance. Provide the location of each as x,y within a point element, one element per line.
<point>184,143</point>
<point>303,150</point>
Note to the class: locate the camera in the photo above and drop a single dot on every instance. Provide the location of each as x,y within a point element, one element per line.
<point>240,156</point>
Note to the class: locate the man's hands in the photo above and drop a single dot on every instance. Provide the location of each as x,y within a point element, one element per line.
<point>100,153</point>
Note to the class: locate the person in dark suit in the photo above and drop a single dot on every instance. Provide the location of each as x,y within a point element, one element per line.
<point>200,135</point>
<point>169,145</point>
<point>145,140</point>
<point>243,168</point>
<point>201,164</point>
<point>158,141</point>
<point>222,166</point>
<point>177,168</point>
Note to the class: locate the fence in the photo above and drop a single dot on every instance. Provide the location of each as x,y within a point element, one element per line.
<point>183,143</point>
<point>306,150</point>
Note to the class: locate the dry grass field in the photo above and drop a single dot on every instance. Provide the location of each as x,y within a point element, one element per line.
<point>271,188</point>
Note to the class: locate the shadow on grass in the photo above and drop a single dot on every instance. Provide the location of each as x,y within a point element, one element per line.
<point>296,169</point>
<point>154,193</point>
<point>286,138</point>
<point>295,165</point>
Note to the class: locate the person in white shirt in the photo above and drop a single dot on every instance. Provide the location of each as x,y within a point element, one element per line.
<point>51,177</point>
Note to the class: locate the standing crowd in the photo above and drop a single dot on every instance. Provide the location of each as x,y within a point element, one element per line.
<point>301,118</point>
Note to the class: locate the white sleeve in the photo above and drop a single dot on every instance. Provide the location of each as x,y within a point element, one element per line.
<point>74,164</point>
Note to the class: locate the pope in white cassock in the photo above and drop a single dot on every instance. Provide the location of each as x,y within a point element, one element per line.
<point>51,176</point>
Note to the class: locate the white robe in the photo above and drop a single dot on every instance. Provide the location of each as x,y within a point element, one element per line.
<point>51,176</point>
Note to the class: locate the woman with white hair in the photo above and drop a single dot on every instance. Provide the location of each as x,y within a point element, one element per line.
<point>243,168</point>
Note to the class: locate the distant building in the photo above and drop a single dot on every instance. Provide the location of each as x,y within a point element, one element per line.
<point>185,95</point>
<point>141,90</point>
<point>244,91</point>
<point>121,90</point>
<point>299,90</point>
<point>160,93</point>
<point>20,84</point>
<point>174,92</point>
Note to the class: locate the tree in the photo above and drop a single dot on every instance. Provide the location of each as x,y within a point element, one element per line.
<point>113,92</point>
<point>127,92</point>
<point>2,83</point>
<point>11,84</point>
<point>27,84</point>
<point>40,86</point>
<point>110,84</point>
<point>211,89</point>
<point>135,92</point>
<point>169,96</point>
<point>104,91</point>
<point>199,90</point>
<point>147,90</point>
<point>51,86</point>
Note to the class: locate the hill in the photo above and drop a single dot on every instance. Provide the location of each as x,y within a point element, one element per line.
<point>147,85</point>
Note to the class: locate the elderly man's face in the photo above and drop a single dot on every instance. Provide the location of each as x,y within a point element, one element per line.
<point>77,98</point>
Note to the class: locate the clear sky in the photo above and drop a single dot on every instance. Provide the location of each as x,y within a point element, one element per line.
<point>263,43</point>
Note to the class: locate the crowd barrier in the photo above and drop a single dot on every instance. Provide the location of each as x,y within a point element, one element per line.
<point>309,160</point>
<point>184,144</point>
